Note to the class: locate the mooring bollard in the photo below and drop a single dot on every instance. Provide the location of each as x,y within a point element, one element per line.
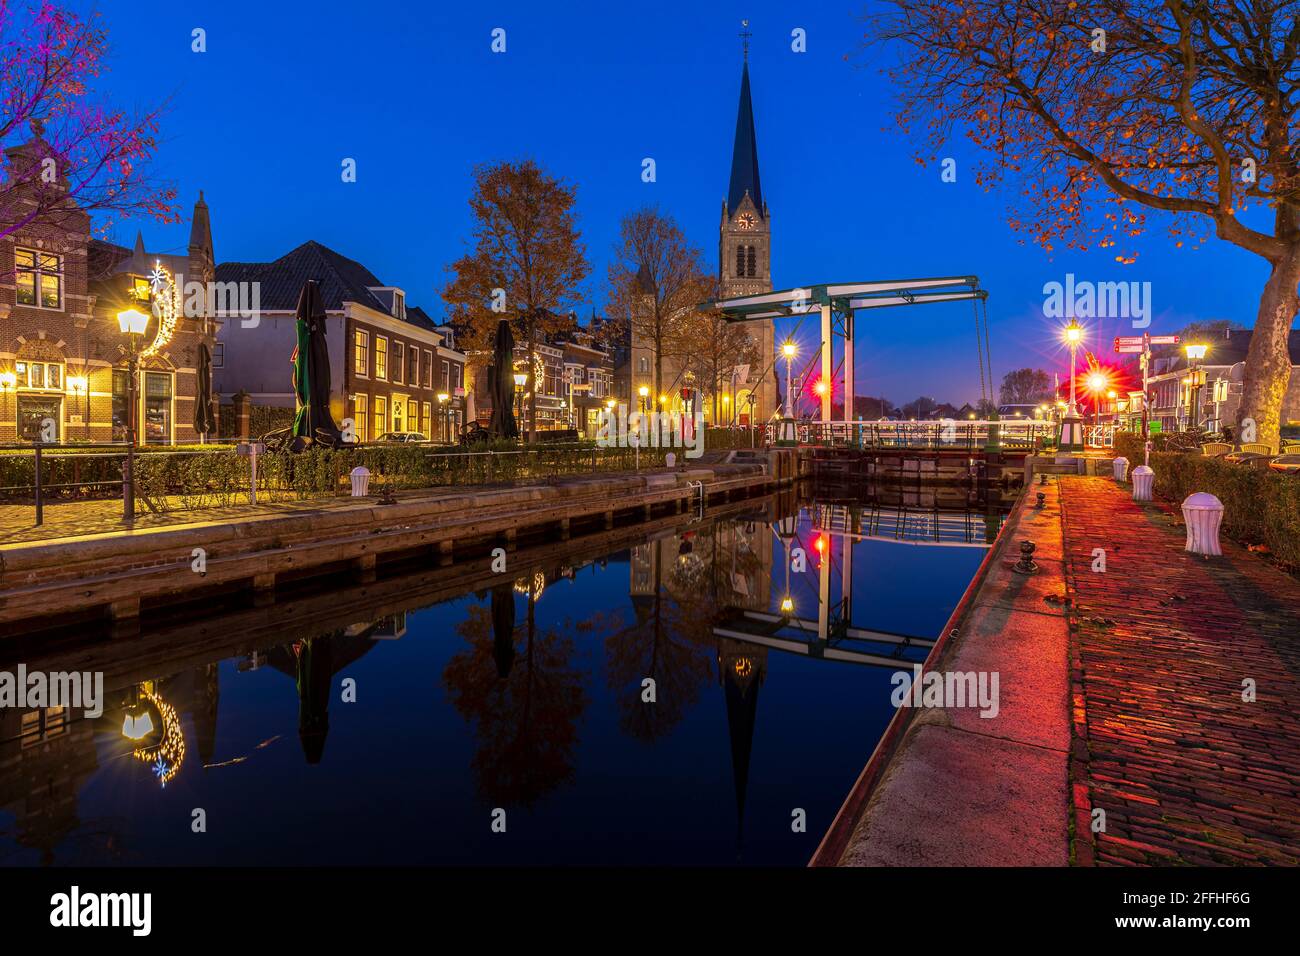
<point>1143,479</point>
<point>1121,469</point>
<point>1203,513</point>
<point>670,460</point>
<point>1026,563</point>
<point>360,476</point>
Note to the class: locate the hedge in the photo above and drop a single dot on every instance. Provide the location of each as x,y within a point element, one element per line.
<point>1260,507</point>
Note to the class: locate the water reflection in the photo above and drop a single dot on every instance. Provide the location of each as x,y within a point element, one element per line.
<point>763,634</point>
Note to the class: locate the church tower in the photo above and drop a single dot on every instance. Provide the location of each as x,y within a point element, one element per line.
<point>745,253</point>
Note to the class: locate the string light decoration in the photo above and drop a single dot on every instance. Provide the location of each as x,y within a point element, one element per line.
<point>166,757</point>
<point>164,308</point>
<point>532,588</point>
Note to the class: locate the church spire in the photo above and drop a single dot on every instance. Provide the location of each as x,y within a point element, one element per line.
<point>744,154</point>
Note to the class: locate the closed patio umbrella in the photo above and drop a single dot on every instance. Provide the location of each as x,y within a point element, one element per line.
<point>311,374</point>
<point>204,422</point>
<point>501,384</point>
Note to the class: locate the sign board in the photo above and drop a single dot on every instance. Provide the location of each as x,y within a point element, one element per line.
<point>1122,349</point>
<point>250,448</point>
<point>1164,340</point>
<point>740,374</point>
<point>1128,340</point>
<point>458,391</point>
<point>1155,427</point>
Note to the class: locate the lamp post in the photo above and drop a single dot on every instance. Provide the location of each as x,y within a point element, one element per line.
<point>644,392</point>
<point>444,423</point>
<point>8,383</point>
<point>79,386</point>
<point>132,322</point>
<point>787,434</point>
<point>1071,434</point>
<point>521,379</point>
<point>1096,384</point>
<point>1195,353</point>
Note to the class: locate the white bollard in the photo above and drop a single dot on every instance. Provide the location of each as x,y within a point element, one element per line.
<point>1143,480</point>
<point>1203,513</point>
<point>670,460</point>
<point>1121,469</point>
<point>360,476</point>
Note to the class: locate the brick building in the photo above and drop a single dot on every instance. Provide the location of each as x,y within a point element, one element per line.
<point>62,354</point>
<point>392,369</point>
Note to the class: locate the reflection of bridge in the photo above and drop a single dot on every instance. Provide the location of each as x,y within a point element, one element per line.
<point>931,527</point>
<point>824,640</point>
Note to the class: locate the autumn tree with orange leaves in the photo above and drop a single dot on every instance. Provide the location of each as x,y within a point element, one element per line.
<point>1103,111</point>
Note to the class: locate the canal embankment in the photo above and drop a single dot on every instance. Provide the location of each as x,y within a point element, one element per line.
<point>120,573</point>
<point>1149,709</point>
<point>946,786</point>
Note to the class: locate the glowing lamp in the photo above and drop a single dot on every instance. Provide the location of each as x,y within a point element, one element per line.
<point>520,379</point>
<point>443,396</point>
<point>77,383</point>
<point>1196,352</point>
<point>820,388</point>
<point>643,391</point>
<point>8,380</point>
<point>132,322</point>
<point>1096,381</point>
<point>787,349</point>
<point>787,604</point>
<point>1073,332</point>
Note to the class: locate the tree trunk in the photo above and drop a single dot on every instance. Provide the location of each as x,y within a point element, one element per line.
<point>1268,361</point>
<point>532,382</point>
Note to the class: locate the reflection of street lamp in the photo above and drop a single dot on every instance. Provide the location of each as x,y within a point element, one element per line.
<point>132,322</point>
<point>1195,353</point>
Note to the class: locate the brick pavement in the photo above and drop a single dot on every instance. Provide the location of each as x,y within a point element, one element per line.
<point>1185,770</point>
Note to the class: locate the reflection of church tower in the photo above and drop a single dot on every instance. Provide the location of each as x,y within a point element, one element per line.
<point>741,669</point>
<point>207,694</point>
<point>745,248</point>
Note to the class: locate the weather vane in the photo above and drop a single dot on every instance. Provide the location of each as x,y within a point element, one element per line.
<point>744,38</point>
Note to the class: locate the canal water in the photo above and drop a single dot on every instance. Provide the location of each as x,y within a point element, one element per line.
<point>685,692</point>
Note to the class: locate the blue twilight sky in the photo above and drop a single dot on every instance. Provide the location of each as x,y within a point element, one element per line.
<point>287,89</point>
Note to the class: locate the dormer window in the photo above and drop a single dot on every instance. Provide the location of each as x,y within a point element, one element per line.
<point>399,305</point>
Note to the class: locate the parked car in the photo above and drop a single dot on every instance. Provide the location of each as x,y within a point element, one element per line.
<point>1289,464</point>
<point>408,437</point>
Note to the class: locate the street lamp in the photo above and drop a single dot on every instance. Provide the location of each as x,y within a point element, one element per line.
<point>1071,435</point>
<point>521,379</point>
<point>644,392</point>
<point>8,382</point>
<point>132,322</point>
<point>79,385</point>
<point>1195,353</point>
<point>444,424</point>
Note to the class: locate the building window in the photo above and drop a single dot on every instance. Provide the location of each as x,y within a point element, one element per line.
<point>381,358</point>
<point>361,358</point>
<point>219,355</point>
<point>119,404</point>
<point>752,262</point>
<point>427,381</point>
<point>399,305</point>
<point>446,376</point>
<point>414,377</point>
<point>740,260</point>
<point>157,408</point>
<point>359,416</point>
<point>399,361</point>
<point>455,377</point>
<point>381,415</point>
<point>43,375</point>
<point>427,429</point>
<point>644,364</point>
<point>39,277</point>
<point>399,407</point>
<point>33,410</point>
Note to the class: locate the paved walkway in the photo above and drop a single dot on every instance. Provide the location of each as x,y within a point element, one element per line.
<point>1161,643</point>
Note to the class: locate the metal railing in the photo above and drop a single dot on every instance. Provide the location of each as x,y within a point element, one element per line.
<point>943,435</point>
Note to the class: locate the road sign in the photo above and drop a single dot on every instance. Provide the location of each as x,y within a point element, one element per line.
<point>1164,340</point>
<point>1128,340</point>
<point>1130,348</point>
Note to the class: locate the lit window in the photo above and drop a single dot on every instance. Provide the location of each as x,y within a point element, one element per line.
<point>381,357</point>
<point>39,278</point>
<point>361,360</point>
<point>359,416</point>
